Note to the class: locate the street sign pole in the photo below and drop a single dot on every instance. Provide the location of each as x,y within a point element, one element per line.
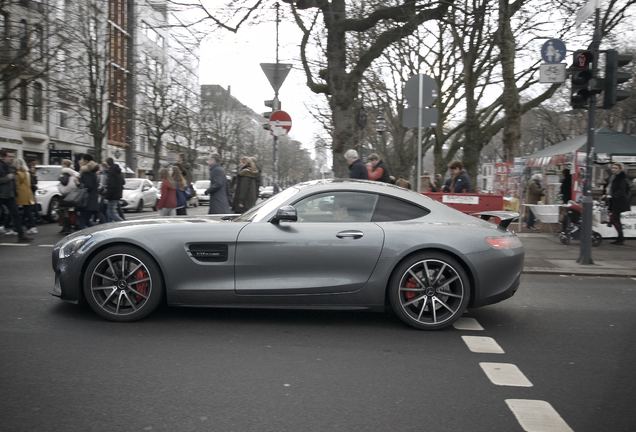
<point>585,255</point>
<point>419,133</point>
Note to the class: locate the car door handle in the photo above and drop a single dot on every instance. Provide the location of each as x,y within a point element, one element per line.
<point>350,234</point>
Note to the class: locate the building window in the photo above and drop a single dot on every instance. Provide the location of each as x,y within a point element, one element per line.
<point>39,42</point>
<point>24,35</point>
<point>24,106</point>
<point>4,23</point>
<point>6,101</point>
<point>37,102</point>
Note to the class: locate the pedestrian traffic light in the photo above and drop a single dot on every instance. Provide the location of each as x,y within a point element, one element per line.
<point>581,76</point>
<point>614,76</point>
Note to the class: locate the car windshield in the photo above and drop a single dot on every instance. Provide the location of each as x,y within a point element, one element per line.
<point>132,184</point>
<point>262,209</point>
<point>48,173</point>
<point>202,184</point>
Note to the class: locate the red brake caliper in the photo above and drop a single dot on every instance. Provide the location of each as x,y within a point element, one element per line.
<point>141,287</point>
<point>410,283</point>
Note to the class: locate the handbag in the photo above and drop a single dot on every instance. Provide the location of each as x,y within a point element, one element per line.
<point>76,198</point>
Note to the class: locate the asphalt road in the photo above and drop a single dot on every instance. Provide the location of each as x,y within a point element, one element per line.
<point>246,370</point>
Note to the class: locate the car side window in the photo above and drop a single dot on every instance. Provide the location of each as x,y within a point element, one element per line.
<point>343,206</point>
<point>393,209</point>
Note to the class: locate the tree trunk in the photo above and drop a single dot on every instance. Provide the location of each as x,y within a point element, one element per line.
<point>156,156</point>
<point>511,104</point>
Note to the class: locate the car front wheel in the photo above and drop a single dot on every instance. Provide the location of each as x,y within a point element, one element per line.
<point>123,283</point>
<point>429,291</point>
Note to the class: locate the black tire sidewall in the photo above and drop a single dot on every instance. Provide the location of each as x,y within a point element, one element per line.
<point>405,265</point>
<point>156,294</point>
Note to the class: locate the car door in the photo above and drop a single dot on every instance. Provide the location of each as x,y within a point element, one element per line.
<point>148,192</point>
<point>325,251</point>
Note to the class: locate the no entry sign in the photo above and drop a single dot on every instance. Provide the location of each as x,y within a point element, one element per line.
<point>280,123</point>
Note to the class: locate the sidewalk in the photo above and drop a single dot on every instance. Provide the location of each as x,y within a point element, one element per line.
<point>546,255</point>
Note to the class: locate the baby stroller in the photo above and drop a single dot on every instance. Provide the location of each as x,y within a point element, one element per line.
<point>571,227</point>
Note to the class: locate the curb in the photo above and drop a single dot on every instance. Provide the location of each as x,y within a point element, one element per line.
<point>580,272</point>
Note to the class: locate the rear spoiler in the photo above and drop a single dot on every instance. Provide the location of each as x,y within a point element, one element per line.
<point>505,217</point>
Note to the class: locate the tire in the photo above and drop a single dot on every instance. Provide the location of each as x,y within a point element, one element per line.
<point>446,288</point>
<point>140,206</point>
<point>597,239</point>
<point>127,295</point>
<point>52,213</point>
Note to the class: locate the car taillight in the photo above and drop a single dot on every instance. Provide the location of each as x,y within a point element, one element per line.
<point>507,242</point>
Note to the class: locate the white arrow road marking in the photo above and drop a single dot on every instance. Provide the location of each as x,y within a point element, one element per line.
<point>480,344</point>
<point>537,416</point>
<point>465,323</point>
<point>505,374</point>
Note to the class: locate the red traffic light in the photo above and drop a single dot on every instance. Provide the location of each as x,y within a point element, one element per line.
<point>582,59</point>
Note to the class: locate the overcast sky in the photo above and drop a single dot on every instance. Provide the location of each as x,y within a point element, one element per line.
<point>234,60</point>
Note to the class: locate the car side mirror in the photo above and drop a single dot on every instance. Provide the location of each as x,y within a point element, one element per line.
<point>285,213</point>
<point>145,188</point>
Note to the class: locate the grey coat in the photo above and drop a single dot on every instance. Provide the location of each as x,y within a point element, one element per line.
<point>218,191</point>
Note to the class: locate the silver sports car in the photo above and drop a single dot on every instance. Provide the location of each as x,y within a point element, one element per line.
<point>326,244</point>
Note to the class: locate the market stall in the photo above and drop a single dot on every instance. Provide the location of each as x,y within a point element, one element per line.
<point>609,147</point>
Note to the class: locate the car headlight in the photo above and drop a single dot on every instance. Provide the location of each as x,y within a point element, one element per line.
<point>41,192</point>
<point>73,245</point>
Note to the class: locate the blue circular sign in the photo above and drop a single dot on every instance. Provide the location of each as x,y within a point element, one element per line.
<point>553,51</point>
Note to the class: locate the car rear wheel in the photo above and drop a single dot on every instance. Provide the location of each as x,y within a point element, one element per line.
<point>52,214</point>
<point>429,291</point>
<point>123,283</point>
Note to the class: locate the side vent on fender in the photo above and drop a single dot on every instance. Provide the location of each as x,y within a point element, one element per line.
<point>208,252</point>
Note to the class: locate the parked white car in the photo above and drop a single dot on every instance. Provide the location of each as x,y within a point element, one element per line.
<point>200,186</point>
<point>139,194</point>
<point>47,195</point>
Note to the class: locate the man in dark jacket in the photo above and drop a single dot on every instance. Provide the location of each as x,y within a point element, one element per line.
<point>88,181</point>
<point>357,169</point>
<point>619,199</point>
<point>376,169</point>
<point>114,189</point>
<point>218,187</point>
<point>7,193</point>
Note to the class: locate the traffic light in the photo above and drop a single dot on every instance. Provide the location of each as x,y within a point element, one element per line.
<point>614,76</point>
<point>581,75</point>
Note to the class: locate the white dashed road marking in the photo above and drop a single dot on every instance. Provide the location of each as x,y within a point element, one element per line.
<point>467,324</point>
<point>537,416</point>
<point>14,244</point>
<point>505,374</point>
<point>480,344</point>
<point>46,245</point>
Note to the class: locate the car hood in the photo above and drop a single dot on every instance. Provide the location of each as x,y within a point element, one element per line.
<point>138,224</point>
<point>47,184</point>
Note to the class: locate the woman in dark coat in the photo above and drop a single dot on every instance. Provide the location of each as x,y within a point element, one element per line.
<point>246,191</point>
<point>88,180</point>
<point>618,197</point>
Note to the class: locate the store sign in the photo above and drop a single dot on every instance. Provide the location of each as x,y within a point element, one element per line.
<point>624,159</point>
<point>460,199</point>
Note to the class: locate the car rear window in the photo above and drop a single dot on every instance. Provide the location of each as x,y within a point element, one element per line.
<point>393,209</point>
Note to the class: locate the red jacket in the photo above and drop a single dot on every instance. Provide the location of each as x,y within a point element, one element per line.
<point>168,195</point>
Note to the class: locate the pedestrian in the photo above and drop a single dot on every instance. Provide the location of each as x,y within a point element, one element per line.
<point>69,180</point>
<point>357,169</point>
<point>33,172</point>
<point>168,201</point>
<point>113,190</point>
<point>534,193</point>
<point>618,197</point>
<point>180,190</point>
<point>88,180</point>
<point>376,169</point>
<point>8,194</point>
<point>458,182</point>
<point>25,200</point>
<point>246,191</point>
<point>217,191</point>
<point>566,186</point>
